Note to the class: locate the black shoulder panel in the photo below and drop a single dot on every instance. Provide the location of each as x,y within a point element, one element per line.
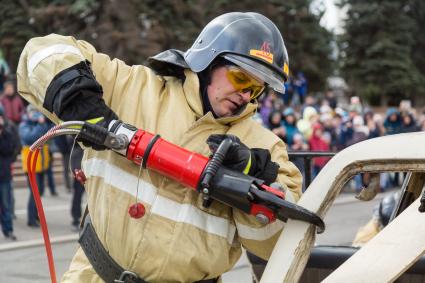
<point>169,63</point>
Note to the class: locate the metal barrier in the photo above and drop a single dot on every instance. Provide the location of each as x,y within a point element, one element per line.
<point>307,156</point>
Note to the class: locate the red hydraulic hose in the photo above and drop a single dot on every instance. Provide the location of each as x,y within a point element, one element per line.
<point>31,165</point>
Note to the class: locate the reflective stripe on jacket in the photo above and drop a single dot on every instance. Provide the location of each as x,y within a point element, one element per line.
<point>177,240</point>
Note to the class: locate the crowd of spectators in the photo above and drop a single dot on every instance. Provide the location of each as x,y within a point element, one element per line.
<point>322,124</point>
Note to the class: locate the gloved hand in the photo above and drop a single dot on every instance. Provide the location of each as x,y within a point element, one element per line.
<point>85,137</point>
<point>255,162</point>
<point>98,113</point>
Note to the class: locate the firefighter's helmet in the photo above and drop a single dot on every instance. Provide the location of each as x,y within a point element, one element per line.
<point>249,40</point>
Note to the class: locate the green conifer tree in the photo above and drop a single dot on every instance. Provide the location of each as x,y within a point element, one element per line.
<point>376,50</point>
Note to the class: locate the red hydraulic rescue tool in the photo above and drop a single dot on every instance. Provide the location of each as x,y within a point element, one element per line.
<point>205,175</point>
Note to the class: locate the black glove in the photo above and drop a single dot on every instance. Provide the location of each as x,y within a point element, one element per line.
<point>100,115</point>
<point>74,94</point>
<point>94,137</point>
<point>255,162</point>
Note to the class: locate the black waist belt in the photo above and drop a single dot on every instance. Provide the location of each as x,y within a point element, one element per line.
<point>104,265</point>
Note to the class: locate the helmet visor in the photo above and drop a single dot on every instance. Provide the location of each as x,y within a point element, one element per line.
<point>258,70</point>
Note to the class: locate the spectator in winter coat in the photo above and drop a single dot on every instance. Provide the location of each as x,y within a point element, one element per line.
<point>290,124</point>
<point>267,107</point>
<point>340,134</point>
<point>318,142</point>
<point>408,123</point>
<point>13,106</point>
<point>372,125</point>
<point>12,128</point>
<point>32,127</point>
<point>360,133</point>
<point>276,125</point>
<point>328,129</point>
<point>392,122</point>
<point>289,92</point>
<point>300,84</point>
<point>7,146</point>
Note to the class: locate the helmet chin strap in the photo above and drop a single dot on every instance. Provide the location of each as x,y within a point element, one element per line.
<point>206,102</point>
<point>204,82</point>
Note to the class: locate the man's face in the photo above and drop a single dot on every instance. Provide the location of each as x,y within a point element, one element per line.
<point>393,117</point>
<point>290,119</point>
<point>225,99</point>
<point>9,89</point>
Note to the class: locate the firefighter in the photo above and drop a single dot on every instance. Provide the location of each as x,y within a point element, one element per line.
<point>381,217</point>
<point>189,98</point>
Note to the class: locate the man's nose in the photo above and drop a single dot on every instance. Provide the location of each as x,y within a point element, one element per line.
<point>246,96</point>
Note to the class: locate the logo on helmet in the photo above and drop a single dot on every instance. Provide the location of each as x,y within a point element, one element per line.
<point>264,53</point>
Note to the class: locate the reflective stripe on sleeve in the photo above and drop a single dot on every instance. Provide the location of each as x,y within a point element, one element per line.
<point>42,54</point>
<point>178,212</point>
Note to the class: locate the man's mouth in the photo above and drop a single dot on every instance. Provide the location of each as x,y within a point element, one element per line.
<point>235,105</point>
<point>236,108</point>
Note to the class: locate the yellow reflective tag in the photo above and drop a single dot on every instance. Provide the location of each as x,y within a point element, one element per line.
<point>94,120</point>
<point>248,166</point>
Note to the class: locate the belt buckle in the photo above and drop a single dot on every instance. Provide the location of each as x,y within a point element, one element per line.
<point>126,274</point>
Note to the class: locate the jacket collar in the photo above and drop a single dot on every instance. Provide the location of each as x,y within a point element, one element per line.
<point>191,91</point>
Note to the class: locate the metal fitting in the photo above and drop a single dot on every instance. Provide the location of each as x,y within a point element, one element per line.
<point>263,219</point>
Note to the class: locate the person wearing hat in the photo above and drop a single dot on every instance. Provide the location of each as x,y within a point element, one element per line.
<point>392,121</point>
<point>290,124</point>
<point>189,98</point>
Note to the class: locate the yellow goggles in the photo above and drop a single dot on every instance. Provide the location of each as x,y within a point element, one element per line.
<point>243,82</point>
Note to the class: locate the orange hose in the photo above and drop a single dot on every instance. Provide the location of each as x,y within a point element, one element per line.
<point>39,205</point>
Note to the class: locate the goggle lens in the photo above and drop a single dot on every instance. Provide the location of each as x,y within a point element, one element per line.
<point>243,82</point>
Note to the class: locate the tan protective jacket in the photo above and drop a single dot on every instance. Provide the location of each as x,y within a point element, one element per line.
<point>177,240</point>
